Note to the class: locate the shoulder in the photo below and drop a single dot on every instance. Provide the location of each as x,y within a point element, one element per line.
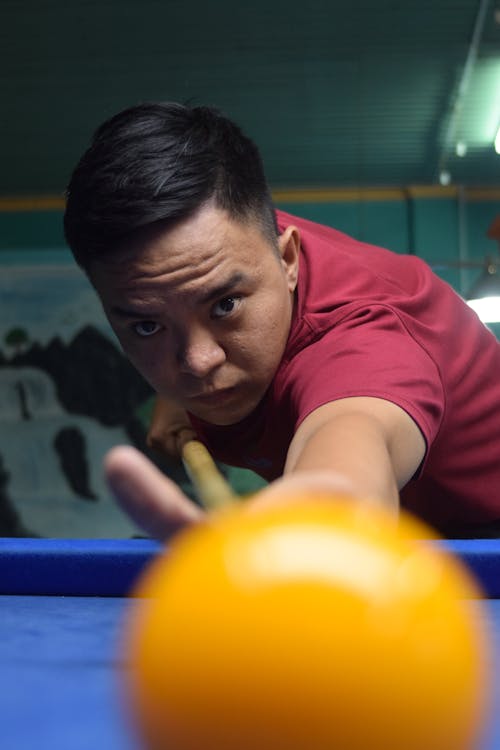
<point>312,229</point>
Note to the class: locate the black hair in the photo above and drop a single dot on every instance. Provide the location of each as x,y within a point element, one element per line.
<point>159,162</point>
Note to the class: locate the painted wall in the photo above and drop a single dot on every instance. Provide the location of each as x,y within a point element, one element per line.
<point>67,394</point>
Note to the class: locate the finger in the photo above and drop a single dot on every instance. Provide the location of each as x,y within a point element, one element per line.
<point>152,500</point>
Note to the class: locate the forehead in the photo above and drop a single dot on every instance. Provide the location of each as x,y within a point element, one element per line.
<point>191,253</point>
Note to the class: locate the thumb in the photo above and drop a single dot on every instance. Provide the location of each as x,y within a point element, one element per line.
<point>152,500</point>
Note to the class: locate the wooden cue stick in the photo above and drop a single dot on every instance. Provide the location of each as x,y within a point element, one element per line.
<point>212,489</point>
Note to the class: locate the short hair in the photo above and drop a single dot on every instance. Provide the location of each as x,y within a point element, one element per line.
<point>157,163</point>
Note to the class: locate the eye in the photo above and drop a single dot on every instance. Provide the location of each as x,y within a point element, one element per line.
<point>225,306</point>
<point>146,328</point>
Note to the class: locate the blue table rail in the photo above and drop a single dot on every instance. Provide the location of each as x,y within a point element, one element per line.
<point>109,567</point>
<point>73,567</point>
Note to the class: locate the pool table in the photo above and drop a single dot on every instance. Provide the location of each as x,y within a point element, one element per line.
<point>62,606</point>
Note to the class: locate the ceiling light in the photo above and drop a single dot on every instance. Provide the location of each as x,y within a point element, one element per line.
<point>461,148</point>
<point>484,295</point>
<point>497,141</point>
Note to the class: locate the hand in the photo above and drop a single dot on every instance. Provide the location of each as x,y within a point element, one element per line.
<point>170,428</point>
<point>160,507</point>
<point>152,500</point>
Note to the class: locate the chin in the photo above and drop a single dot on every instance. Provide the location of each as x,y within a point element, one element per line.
<point>225,418</point>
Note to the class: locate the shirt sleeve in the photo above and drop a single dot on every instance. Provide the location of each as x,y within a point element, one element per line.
<point>370,352</point>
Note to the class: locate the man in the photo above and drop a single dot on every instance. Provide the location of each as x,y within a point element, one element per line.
<point>288,347</point>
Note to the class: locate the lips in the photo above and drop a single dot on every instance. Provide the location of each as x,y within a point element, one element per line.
<point>213,396</point>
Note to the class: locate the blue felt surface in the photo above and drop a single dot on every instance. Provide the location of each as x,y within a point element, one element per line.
<point>60,664</point>
<point>492,740</point>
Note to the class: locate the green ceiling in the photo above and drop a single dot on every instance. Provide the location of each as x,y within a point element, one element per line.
<point>360,93</point>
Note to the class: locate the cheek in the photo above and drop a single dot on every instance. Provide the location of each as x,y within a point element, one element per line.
<point>149,359</point>
<point>263,343</point>
<point>273,322</point>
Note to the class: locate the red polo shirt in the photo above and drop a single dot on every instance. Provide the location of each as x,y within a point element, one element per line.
<point>369,322</point>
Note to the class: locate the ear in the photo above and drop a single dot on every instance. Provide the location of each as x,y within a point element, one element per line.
<point>289,250</point>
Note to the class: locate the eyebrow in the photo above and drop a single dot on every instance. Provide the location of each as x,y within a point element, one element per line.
<point>224,288</point>
<point>209,295</point>
<point>125,312</point>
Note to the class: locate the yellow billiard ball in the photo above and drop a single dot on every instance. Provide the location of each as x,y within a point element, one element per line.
<point>317,625</point>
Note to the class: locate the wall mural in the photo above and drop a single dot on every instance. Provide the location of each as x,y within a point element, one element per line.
<point>67,394</point>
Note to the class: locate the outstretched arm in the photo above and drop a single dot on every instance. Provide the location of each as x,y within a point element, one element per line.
<point>364,447</point>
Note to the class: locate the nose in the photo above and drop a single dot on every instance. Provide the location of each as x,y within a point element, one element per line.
<point>199,353</point>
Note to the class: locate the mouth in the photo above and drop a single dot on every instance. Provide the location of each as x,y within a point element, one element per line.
<point>213,397</point>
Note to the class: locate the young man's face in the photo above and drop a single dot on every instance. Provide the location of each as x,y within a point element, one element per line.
<point>203,311</point>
